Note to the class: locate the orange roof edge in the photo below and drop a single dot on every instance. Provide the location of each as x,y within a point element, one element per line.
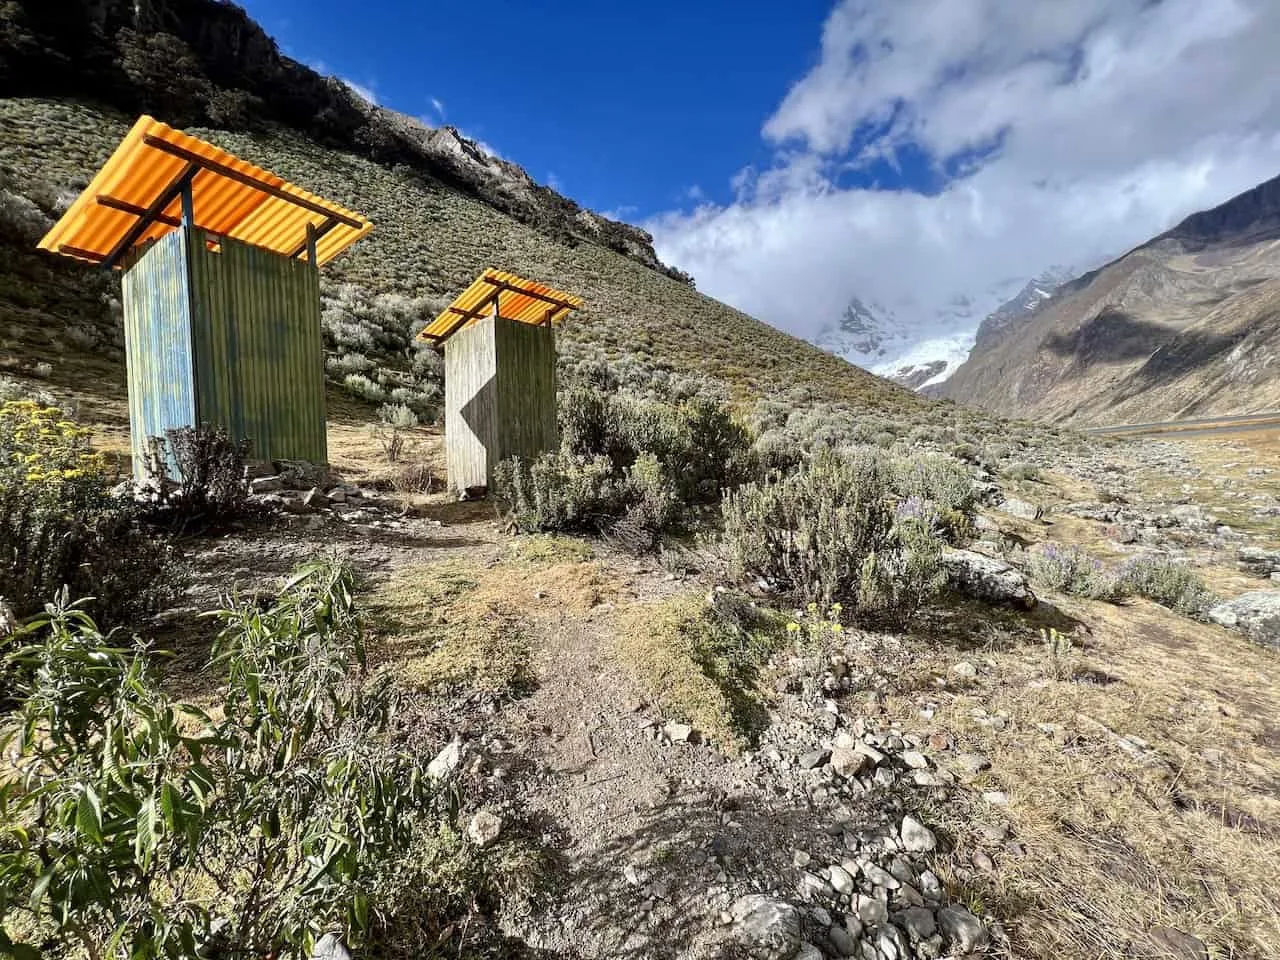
<point>232,198</point>
<point>514,297</point>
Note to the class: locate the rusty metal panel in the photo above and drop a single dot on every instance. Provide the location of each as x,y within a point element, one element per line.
<point>158,345</point>
<point>260,355</point>
<point>231,197</point>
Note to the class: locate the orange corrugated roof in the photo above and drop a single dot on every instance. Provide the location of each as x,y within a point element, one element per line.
<point>141,183</point>
<point>515,297</point>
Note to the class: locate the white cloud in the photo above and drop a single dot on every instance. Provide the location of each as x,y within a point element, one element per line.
<point>1078,129</point>
<point>438,106</point>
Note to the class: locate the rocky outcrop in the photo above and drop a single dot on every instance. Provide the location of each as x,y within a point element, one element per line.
<point>1255,614</point>
<point>206,63</point>
<point>987,578</point>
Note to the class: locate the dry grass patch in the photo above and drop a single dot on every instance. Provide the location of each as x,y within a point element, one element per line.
<point>1143,784</point>
<point>443,637</point>
<point>702,663</point>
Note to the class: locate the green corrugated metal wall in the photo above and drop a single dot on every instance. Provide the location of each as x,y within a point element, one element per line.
<point>258,347</point>
<point>158,348</point>
<point>229,338</point>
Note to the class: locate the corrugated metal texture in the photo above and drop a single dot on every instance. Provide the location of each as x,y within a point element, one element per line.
<point>158,347</point>
<point>258,347</point>
<point>500,397</point>
<point>526,378</point>
<point>228,201</point>
<point>470,405</point>
<point>525,301</point>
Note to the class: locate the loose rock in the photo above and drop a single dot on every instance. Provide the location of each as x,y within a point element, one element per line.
<point>916,837</point>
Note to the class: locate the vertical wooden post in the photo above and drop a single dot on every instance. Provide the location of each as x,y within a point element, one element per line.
<point>188,204</point>
<point>311,244</point>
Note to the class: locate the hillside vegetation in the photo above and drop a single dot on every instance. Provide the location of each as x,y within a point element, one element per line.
<point>1185,325</point>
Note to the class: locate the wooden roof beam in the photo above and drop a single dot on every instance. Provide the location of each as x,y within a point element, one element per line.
<point>148,216</point>
<point>137,211</point>
<point>231,173</point>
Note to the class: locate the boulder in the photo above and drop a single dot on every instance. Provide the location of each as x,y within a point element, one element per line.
<point>1022,509</point>
<point>484,828</point>
<point>987,578</point>
<point>330,947</point>
<point>1255,614</point>
<point>1259,562</point>
<point>965,931</point>
<point>768,929</point>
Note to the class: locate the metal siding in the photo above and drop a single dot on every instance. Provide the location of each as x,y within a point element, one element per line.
<point>259,336</point>
<point>470,405</point>
<point>500,397</point>
<point>158,345</point>
<point>526,381</point>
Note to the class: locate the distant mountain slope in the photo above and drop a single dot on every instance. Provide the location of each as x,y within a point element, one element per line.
<point>1188,323</point>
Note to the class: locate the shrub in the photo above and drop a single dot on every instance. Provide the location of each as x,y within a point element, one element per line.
<point>199,473</point>
<point>60,526</point>
<point>138,826</point>
<point>559,491</point>
<point>1168,583</point>
<point>361,386</point>
<point>945,488</point>
<point>1022,471</point>
<point>1073,571</point>
<point>833,530</point>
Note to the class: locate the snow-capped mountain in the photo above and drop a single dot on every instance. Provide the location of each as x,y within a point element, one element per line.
<point>920,347</point>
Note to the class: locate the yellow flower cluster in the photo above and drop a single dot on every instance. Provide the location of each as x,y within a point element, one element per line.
<point>39,445</point>
<point>818,626</point>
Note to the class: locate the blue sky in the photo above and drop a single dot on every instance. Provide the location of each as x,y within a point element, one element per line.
<point>631,107</point>
<point>793,154</point>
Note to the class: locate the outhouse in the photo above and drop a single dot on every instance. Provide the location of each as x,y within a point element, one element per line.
<point>499,373</point>
<point>220,289</point>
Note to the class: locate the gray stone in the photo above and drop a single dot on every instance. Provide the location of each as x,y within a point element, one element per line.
<point>879,876</point>
<point>964,670</point>
<point>769,929</point>
<point>330,947</point>
<point>813,759</point>
<point>807,951</point>
<point>315,499</point>
<point>871,911</point>
<point>484,828</point>
<point>677,732</point>
<point>446,762</point>
<point>962,928</point>
<point>1259,562</point>
<point>1255,614</point>
<point>916,837</point>
<point>971,764</point>
<point>915,760</point>
<point>1177,945</point>
<point>1022,509</point>
<point>918,922</point>
<point>847,763</point>
<point>870,752</point>
<point>987,578</point>
<point>265,485</point>
<point>840,880</point>
<point>891,943</point>
<point>842,941</point>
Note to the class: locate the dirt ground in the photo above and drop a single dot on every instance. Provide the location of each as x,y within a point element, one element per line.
<point>1132,790</point>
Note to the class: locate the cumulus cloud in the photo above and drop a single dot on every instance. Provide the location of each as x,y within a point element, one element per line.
<point>364,91</point>
<point>1054,133</point>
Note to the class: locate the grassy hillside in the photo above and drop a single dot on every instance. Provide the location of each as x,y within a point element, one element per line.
<point>658,335</point>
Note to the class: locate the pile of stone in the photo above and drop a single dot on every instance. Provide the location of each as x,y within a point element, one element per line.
<point>1259,562</point>
<point>302,488</point>
<point>881,902</point>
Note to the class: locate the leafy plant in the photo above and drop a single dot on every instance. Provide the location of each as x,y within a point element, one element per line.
<point>199,475</point>
<point>1059,652</point>
<point>60,525</point>
<point>1074,571</point>
<point>136,826</point>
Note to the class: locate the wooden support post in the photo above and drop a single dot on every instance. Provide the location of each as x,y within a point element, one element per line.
<point>311,244</point>
<point>125,243</point>
<point>188,205</point>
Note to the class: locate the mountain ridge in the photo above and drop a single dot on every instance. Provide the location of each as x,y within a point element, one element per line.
<point>1186,323</point>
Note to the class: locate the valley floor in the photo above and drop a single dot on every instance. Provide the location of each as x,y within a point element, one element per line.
<point>1121,799</point>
